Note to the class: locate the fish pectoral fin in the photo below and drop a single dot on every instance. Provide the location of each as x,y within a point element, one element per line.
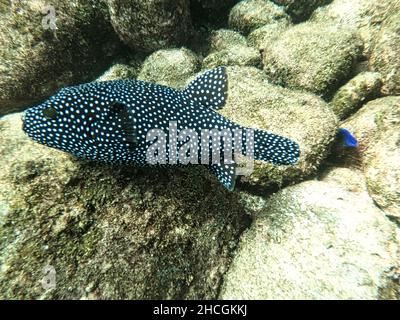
<point>209,89</point>
<point>120,111</point>
<point>225,173</point>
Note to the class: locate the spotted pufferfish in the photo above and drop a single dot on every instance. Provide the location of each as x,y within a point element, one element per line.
<point>109,122</point>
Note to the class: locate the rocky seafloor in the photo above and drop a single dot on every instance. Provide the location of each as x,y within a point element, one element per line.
<point>326,228</point>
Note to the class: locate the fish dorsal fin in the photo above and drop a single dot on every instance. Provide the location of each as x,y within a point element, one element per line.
<point>209,89</point>
<point>225,173</point>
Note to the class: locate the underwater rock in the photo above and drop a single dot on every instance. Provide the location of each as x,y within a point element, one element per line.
<point>170,67</point>
<point>228,47</point>
<point>36,59</point>
<point>376,125</point>
<point>248,15</point>
<point>385,57</point>
<point>224,39</point>
<point>367,16</point>
<point>300,10</point>
<point>109,232</point>
<point>118,71</point>
<point>315,240</point>
<point>359,90</point>
<point>348,13</point>
<point>124,69</point>
<point>351,179</point>
<point>265,36</point>
<point>149,26</point>
<point>234,55</point>
<point>312,57</point>
<point>385,48</point>
<point>302,117</point>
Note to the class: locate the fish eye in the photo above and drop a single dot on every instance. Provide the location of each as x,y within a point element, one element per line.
<point>50,113</point>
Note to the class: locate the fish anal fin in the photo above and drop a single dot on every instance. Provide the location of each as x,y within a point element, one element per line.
<point>225,173</point>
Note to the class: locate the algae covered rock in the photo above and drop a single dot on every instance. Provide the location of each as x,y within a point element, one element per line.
<point>365,86</point>
<point>228,47</point>
<point>265,36</point>
<point>315,240</point>
<point>376,125</point>
<point>170,67</point>
<point>385,57</point>
<point>301,10</point>
<point>151,25</point>
<point>124,68</point>
<point>235,55</point>
<point>368,17</point>
<point>248,15</point>
<point>44,47</point>
<point>303,117</point>
<point>224,38</point>
<point>312,57</point>
<point>378,24</point>
<point>109,232</point>
<point>385,50</point>
<point>348,13</point>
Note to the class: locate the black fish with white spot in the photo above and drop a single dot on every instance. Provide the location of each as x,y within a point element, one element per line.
<point>111,122</point>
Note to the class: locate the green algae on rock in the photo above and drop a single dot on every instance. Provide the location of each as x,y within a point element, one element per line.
<point>300,10</point>
<point>314,240</point>
<point>228,47</point>
<point>385,57</point>
<point>35,62</point>
<point>378,24</point>
<point>376,125</point>
<point>170,67</point>
<point>149,26</point>
<point>234,55</point>
<point>369,18</point>
<point>265,36</point>
<point>359,90</point>
<point>224,39</point>
<point>312,57</point>
<point>109,232</point>
<point>249,15</point>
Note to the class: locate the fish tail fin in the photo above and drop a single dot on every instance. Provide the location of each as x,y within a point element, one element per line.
<point>275,149</point>
<point>209,89</point>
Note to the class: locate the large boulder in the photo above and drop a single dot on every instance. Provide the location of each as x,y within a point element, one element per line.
<point>312,57</point>
<point>43,48</point>
<point>151,25</point>
<point>376,125</point>
<point>385,56</point>
<point>264,36</point>
<point>249,15</point>
<point>300,10</point>
<point>315,240</point>
<point>109,232</point>
<point>378,24</point>
<point>124,68</point>
<point>170,67</point>
<point>224,39</point>
<point>359,90</point>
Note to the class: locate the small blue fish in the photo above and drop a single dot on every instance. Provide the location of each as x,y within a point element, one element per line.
<point>110,122</point>
<point>349,140</point>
